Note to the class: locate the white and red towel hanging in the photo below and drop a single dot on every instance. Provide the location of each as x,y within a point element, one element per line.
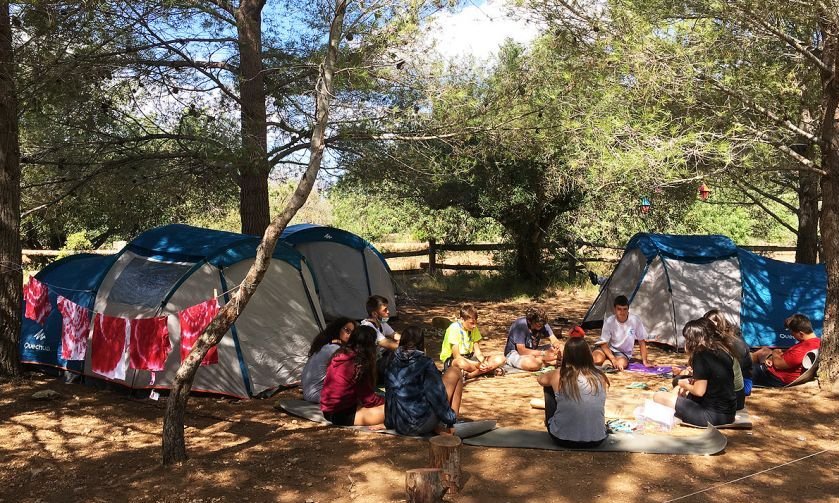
<point>37,299</point>
<point>194,320</point>
<point>75,326</point>
<point>107,351</point>
<point>149,344</point>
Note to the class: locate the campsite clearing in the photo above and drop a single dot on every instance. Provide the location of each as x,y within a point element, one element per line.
<point>102,446</point>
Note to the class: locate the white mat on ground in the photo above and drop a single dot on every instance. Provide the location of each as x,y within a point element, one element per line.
<point>311,411</point>
<point>710,441</point>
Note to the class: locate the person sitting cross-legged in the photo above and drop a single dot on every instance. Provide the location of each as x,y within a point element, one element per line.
<point>575,398</point>
<point>524,349</point>
<point>461,348</point>
<point>618,336</point>
<point>707,394</point>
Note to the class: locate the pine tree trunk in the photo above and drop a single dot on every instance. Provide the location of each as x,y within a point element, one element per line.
<point>174,444</point>
<point>807,245</point>
<point>254,208</point>
<point>829,133</point>
<point>11,277</point>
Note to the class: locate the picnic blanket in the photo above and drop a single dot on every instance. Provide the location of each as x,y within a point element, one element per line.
<point>311,411</point>
<point>710,441</point>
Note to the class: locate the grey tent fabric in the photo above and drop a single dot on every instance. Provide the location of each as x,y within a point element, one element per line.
<point>347,269</point>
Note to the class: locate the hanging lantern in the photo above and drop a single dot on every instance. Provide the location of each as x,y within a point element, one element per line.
<point>645,205</point>
<point>704,192</point>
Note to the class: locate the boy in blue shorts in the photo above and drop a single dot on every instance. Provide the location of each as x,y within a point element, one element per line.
<point>461,349</point>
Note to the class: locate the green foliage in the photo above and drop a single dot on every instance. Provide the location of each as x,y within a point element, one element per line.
<point>77,241</point>
<point>377,219</point>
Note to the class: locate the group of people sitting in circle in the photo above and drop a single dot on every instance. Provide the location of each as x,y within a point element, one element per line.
<point>348,359</point>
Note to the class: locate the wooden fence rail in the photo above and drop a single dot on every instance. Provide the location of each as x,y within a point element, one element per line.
<point>575,262</point>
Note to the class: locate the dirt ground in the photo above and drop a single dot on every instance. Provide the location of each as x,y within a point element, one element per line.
<point>101,446</point>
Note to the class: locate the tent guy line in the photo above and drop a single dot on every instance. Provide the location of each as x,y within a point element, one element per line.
<point>747,476</point>
<point>222,294</point>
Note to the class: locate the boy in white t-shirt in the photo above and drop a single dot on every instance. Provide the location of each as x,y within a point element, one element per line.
<point>620,331</point>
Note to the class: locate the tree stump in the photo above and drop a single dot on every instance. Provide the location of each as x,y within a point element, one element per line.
<point>424,485</point>
<point>445,455</point>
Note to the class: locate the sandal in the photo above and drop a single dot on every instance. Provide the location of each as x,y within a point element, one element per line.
<point>500,372</point>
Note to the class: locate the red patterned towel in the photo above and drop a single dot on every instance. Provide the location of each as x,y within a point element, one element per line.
<point>75,327</point>
<point>194,320</point>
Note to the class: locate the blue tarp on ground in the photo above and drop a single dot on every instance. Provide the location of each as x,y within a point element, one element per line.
<point>773,290</point>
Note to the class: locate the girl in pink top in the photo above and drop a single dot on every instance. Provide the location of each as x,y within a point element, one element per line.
<point>348,397</point>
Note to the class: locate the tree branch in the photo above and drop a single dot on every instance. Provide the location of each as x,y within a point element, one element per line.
<point>791,41</point>
<point>767,210</point>
<point>754,106</point>
<point>806,164</point>
<point>186,58</point>
<point>198,65</point>
<point>767,195</point>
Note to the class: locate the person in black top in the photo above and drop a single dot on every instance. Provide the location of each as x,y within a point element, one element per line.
<point>708,395</point>
<point>743,357</point>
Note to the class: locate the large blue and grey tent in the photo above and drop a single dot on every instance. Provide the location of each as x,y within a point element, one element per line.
<point>672,279</point>
<point>168,269</point>
<point>347,268</point>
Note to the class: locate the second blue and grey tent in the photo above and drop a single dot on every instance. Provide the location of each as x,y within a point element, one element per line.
<point>672,279</point>
<point>348,269</point>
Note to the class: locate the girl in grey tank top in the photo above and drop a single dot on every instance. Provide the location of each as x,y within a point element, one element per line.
<point>575,398</point>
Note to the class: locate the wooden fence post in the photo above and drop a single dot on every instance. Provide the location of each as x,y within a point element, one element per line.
<point>432,256</point>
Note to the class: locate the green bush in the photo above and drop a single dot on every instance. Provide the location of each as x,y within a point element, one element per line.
<point>76,242</point>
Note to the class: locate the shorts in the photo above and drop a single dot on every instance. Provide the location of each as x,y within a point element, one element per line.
<point>449,360</point>
<point>691,412</point>
<point>341,418</point>
<point>762,377</point>
<point>514,358</point>
<point>618,353</point>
